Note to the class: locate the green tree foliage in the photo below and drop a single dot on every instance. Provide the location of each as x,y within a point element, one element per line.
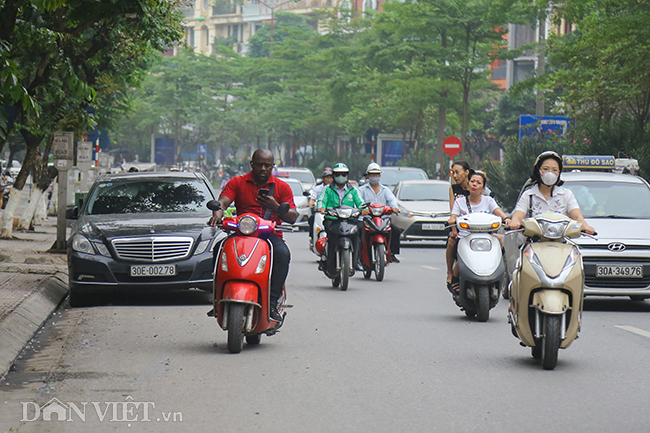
<point>286,26</point>
<point>603,74</point>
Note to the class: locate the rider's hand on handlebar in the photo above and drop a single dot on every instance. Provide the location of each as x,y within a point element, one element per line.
<point>365,212</point>
<point>216,218</point>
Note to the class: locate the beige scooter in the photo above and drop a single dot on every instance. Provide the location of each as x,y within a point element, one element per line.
<point>547,287</point>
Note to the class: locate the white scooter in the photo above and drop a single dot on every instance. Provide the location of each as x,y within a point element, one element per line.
<point>480,262</point>
<point>318,231</point>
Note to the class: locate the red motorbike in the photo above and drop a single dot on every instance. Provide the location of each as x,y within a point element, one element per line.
<point>242,280</point>
<point>375,241</point>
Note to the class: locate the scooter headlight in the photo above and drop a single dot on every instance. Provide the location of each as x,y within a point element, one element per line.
<point>376,211</point>
<point>345,213</point>
<point>553,229</point>
<point>247,225</point>
<point>480,244</point>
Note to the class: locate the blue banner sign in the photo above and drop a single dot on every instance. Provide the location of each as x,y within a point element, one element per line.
<point>531,125</point>
<point>589,162</point>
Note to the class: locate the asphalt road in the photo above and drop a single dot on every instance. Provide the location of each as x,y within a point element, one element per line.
<point>395,356</point>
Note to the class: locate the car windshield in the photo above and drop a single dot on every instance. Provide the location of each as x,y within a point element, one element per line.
<point>599,199</point>
<point>296,188</point>
<point>393,177</point>
<point>149,195</point>
<point>424,191</point>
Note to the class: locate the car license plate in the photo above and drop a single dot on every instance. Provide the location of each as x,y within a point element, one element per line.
<point>153,270</point>
<point>619,271</point>
<point>432,226</point>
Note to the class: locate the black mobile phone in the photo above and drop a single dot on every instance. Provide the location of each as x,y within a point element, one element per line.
<point>263,191</point>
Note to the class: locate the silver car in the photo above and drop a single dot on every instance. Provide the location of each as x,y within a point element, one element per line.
<point>304,175</point>
<point>617,206</point>
<point>424,209</point>
<point>301,199</point>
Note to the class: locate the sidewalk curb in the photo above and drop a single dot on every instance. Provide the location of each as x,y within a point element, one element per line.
<point>20,325</point>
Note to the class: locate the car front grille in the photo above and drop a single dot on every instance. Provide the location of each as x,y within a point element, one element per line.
<point>153,249</point>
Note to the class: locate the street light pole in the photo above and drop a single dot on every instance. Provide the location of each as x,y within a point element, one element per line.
<point>273,8</point>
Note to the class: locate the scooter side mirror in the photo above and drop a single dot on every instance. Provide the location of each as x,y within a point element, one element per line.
<point>214,205</point>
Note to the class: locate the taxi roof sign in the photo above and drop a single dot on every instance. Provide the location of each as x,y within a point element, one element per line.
<point>588,162</point>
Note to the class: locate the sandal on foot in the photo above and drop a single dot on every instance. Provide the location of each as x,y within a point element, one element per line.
<point>449,287</point>
<point>455,286</point>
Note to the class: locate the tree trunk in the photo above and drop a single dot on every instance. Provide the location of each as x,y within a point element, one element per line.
<point>25,221</point>
<point>41,210</point>
<point>6,224</point>
<point>440,137</point>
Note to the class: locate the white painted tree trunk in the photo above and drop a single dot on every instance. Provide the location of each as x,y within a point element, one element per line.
<point>53,209</point>
<point>41,210</point>
<point>7,222</point>
<point>30,209</point>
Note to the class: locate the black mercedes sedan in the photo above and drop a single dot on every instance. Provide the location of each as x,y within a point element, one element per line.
<point>141,231</point>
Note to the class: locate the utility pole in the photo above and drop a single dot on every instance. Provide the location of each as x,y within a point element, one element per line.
<point>541,63</point>
<point>273,8</point>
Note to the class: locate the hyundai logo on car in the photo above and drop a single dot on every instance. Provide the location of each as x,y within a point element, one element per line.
<point>616,247</point>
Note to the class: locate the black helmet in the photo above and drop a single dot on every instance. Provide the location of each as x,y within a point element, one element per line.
<point>535,177</point>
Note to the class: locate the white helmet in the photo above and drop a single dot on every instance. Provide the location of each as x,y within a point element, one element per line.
<point>373,168</point>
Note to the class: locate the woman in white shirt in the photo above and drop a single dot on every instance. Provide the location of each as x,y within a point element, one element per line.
<point>475,202</point>
<point>547,194</point>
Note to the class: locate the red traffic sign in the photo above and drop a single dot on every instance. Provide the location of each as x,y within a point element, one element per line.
<point>452,146</point>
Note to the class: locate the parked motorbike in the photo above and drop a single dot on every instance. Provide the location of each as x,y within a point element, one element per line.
<point>375,241</point>
<point>480,263</point>
<point>546,291</point>
<point>344,227</point>
<point>242,280</point>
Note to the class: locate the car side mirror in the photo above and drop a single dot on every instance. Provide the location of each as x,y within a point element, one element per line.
<point>72,213</point>
<point>214,205</point>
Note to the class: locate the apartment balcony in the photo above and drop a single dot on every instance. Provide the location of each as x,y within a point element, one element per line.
<point>254,10</point>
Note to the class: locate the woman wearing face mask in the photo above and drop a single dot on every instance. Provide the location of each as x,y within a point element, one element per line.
<point>547,194</point>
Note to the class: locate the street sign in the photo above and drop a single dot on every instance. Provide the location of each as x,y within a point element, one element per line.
<point>63,147</point>
<point>530,125</point>
<point>452,146</point>
<point>84,155</point>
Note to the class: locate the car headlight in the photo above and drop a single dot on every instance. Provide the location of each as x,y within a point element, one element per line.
<point>102,249</point>
<point>82,245</point>
<point>247,225</point>
<point>553,229</point>
<point>202,246</point>
<point>480,244</point>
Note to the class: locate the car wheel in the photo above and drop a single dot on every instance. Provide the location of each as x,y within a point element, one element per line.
<point>78,300</point>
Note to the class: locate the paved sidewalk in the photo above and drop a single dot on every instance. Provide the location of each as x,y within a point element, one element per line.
<point>33,282</point>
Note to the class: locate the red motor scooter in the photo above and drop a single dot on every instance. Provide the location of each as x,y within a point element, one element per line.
<point>242,280</point>
<point>375,241</point>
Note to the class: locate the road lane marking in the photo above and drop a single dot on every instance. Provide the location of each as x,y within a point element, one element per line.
<point>634,330</point>
<point>430,267</point>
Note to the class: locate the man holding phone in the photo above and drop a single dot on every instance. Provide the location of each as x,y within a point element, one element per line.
<point>260,193</point>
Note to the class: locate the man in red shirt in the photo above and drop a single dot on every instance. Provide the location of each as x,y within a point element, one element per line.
<point>275,202</point>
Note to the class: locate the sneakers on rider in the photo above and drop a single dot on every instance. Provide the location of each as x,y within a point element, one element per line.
<point>274,315</point>
<point>394,259</point>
